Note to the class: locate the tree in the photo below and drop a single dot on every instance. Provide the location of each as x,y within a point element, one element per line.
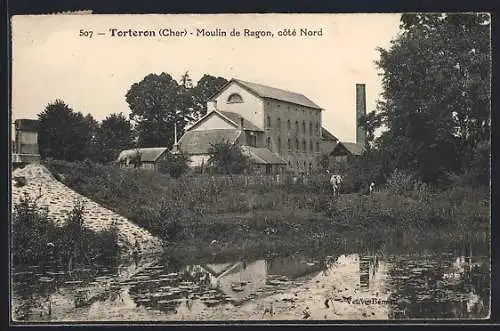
<point>157,103</point>
<point>227,158</point>
<point>113,136</point>
<point>436,98</point>
<point>206,87</point>
<point>93,152</point>
<point>63,134</point>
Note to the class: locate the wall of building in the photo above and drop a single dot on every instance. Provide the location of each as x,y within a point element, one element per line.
<point>252,107</point>
<point>295,124</point>
<point>198,160</point>
<point>213,122</point>
<point>26,142</point>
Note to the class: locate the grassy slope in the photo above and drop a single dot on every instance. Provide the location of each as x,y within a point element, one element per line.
<point>253,220</point>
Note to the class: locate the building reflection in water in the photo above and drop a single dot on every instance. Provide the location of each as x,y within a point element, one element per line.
<point>368,267</point>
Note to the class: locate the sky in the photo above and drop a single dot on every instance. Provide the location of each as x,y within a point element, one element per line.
<point>50,60</point>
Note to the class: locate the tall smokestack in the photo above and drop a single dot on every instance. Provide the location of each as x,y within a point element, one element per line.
<point>360,111</point>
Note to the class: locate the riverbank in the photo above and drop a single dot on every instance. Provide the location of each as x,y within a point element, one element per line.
<point>202,218</point>
<point>45,210</point>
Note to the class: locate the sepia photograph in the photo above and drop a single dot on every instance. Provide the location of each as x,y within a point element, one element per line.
<point>250,167</point>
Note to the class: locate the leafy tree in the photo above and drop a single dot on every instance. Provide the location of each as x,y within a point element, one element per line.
<point>227,158</point>
<point>157,103</point>
<point>93,152</point>
<point>113,136</point>
<point>436,98</point>
<point>206,87</point>
<point>63,134</point>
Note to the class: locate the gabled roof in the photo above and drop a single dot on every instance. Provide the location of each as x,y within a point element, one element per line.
<point>269,92</point>
<point>150,154</point>
<point>236,118</point>
<point>230,117</point>
<point>326,135</point>
<point>262,155</point>
<point>351,148</point>
<point>198,142</point>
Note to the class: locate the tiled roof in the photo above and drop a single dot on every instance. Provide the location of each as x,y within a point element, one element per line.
<point>262,155</point>
<point>236,118</point>
<point>352,148</point>
<point>264,91</point>
<point>198,142</point>
<point>150,154</point>
<point>325,134</point>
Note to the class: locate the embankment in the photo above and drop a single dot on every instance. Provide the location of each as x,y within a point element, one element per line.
<point>58,199</point>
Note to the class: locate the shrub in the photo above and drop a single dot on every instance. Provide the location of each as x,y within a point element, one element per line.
<point>402,183</point>
<point>227,158</point>
<point>32,230</point>
<point>174,164</point>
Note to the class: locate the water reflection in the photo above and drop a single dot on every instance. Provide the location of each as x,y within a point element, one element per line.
<point>348,286</point>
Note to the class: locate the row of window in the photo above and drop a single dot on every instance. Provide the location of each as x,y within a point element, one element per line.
<point>298,146</point>
<point>299,165</point>
<point>289,126</point>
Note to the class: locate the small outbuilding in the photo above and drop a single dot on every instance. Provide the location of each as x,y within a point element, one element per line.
<point>149,157</point>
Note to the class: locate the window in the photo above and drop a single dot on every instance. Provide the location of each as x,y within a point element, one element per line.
<point>311,146</point>
<point>297,144</point>
<point>235,98</point>
<point>289,144</point>
<point>297,126</point>
<point>303,127</point>
<point>269,143</point>
<point>310,128</point>
<point>279,144</point>
<point>304,145</point>
<point>288,125</point>
<point>317,147</point>
<point>278,123</point>
<point>268,121</point>
<point>317,130</point>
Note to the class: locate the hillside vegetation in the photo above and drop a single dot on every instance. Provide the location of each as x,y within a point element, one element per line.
<point>190,212</point>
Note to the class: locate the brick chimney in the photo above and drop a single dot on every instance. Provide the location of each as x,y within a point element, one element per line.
<point>360,111</point>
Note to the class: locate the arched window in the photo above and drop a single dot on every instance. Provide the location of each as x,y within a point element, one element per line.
<point>279,144</point>
<point>304,145</point>
<point>269,121</point>
<point>235,98</point>
<point>310,129</point>
<point>297,144</point>
<point>278,123</point>
<point>289,144</point>
<point>288,125</point>
<point>269,143</point>
<point>304,127</point>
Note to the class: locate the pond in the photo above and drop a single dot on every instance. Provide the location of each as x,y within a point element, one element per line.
<point>347,286</point>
